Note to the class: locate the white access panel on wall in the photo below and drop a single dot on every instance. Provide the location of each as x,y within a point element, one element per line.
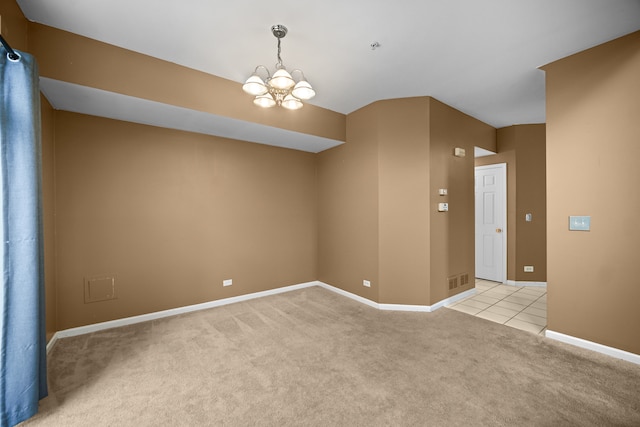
<point>490,217</point>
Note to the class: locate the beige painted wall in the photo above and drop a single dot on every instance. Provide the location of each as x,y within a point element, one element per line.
<point>75,59</point>
<point>95,64</point>
<point>531,197</point>
<point>403,132</point>
<point>452,239</point>
<point>523,149</point>
<point>592,155</point>
<point>348,208</point>
<point>13,25</point>
<point>172,214</point>
<point>398,153</point>
<point>96,237</point>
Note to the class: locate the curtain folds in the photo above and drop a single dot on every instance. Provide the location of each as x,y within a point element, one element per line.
<point>23,380</point>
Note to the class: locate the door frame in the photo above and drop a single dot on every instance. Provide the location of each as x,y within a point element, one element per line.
<point>503,172</point>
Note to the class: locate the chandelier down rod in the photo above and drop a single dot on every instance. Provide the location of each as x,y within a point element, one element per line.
<point>10,52</point>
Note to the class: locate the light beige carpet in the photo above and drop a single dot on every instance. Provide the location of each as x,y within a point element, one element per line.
<point>314,358</point>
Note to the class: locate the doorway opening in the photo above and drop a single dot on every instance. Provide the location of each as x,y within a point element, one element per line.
<point>491,222</point>
<point>521,307</point>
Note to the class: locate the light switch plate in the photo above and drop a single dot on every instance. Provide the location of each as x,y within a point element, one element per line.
<point>580,223</point>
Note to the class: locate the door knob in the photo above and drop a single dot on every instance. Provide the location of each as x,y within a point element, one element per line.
<point>498,230</point>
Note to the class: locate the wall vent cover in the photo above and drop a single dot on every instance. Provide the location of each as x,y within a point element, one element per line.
<point>464,279</point>
<point>99,289</point>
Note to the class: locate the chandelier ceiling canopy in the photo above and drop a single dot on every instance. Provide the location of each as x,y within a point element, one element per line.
<point>280,88</point>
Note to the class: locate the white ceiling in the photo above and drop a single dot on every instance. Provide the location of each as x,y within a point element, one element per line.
<point>481,57</point>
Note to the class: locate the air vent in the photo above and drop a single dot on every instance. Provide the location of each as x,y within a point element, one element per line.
<point>99,289</point>
<point>464,279</point>
<point>453,282</point>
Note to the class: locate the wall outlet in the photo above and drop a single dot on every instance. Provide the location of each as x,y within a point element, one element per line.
<point>227,282</point>
<point>366,283</point>
<point>528,268</point>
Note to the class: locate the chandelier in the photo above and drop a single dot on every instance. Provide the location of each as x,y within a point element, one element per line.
<point>280,89</point>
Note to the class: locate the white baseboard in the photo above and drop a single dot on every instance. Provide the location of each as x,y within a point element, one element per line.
<point>399,307</point>
<point>522,283</point>
<point>405,307</point>
<point>81,330</point>
<point>211,304</point>
<point>171,312</point>
<point>344,293</point>
<point>593,346</point>
<point>451,300</point>
<point>579,342</point>
<point>52,342</point>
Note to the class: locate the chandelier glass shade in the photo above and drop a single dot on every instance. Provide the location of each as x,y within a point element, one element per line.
<point>280,88</point>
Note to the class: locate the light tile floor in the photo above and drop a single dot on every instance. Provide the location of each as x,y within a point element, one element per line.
<point>521,307</point>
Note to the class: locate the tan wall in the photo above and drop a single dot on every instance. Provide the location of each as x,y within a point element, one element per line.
<point>531,197</point>
<point>13,25</point>
<point>489,142</point>
<point>172,214</point>
<point>522,148</point>
<point>592,156</point>
<point>71,58</point>
<point>453,233</point>
<point>348,208</point>
<point>403,131</point>
<point>398,153</point>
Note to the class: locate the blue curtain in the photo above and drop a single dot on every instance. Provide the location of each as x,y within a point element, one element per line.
<point>23,377</point>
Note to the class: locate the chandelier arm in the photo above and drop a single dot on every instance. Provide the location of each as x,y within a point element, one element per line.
<point>301,73</point>
<point>264,68</point>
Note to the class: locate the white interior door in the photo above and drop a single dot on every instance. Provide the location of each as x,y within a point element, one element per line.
<point>491,226</point>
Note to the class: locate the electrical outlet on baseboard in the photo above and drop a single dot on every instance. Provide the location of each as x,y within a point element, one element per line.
<point>528,268</point>
<point>227,282</point>
<point>366,283</point>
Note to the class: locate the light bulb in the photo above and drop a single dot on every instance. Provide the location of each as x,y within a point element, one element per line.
<point>303,90</point>
<point>290,102</point>
<point>264,101</point>
<point>281,79</point>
